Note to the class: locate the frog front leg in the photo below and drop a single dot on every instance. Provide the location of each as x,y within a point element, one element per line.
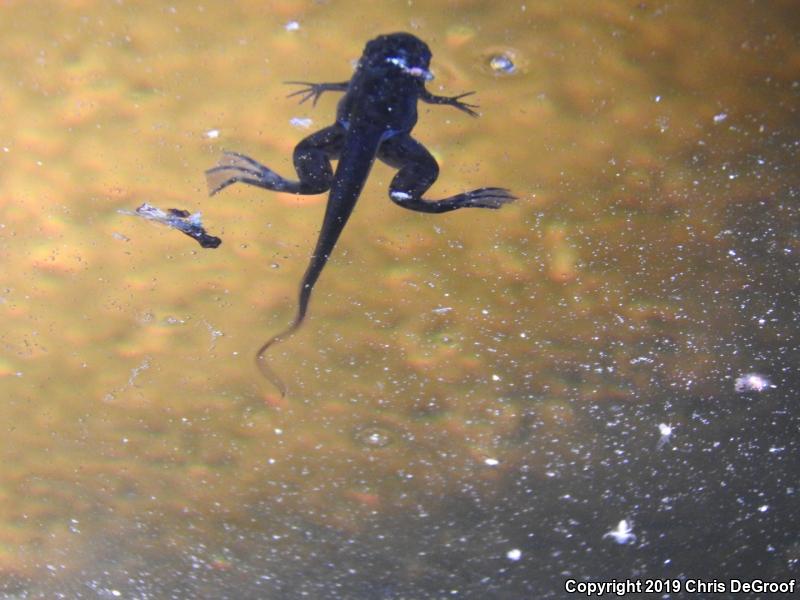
<point>454,101</point>
<point>312,161</point>
<point>312,91</point>
<point>417,170</point>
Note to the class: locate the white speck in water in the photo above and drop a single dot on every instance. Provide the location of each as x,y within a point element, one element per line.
<point>137,370</point>
<point>666,433</point>
<point>292,26</point>
<point>763,508</point>
<point>442,310</point>
<point>170,320</point>
<point>215,333</point>
<point>641,359</point>
<point>212,134</point>
<point>752,382</point>
<point>514,554</point>
<point>495,377</point>
<point>720,117</point>
<point>492,462</point>
<point>301,123</point>
<point>623,534</point>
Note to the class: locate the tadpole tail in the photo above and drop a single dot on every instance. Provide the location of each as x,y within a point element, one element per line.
<point>312,273</point>
<point>261,360</point>
<point>314,268</point>
<point>355,162</point>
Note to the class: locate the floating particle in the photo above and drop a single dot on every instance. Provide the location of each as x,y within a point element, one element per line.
<point>292,26</point>
<point>300,123</point>
<point>137,370</point>
<point>182,220</point>
<point>373,436</point>
<point>623,534</point>
<point>514,554</point>
<point>666,433</point>
<point>752,382</point>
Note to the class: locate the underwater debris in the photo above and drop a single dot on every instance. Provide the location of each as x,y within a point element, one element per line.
<point>752,382</point>
<point>666,433</point>
<point>623,534</point>
<point>182,220</point>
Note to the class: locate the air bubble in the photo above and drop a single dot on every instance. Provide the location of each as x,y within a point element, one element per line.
<point>502,64</point>
<point>373,436</point>
<point>502,61</point>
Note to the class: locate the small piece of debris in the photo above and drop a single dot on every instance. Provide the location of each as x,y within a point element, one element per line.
<point>300,123</point>
<point>182,220</point>
<point>666,433</point>
<point>752,382</point>
<point>623,534</point>
<point>514,554</point>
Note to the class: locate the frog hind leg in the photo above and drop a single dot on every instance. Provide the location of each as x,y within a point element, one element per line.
<point>312,161</point>
<point>418,170</point>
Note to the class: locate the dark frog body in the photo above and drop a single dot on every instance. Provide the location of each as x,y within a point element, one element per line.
<point>374,120</point>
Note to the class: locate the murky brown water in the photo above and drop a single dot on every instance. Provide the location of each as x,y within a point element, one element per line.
<point>467,385</point>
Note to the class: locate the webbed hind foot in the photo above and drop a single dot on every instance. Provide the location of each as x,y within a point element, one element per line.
<point>234,167</point>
